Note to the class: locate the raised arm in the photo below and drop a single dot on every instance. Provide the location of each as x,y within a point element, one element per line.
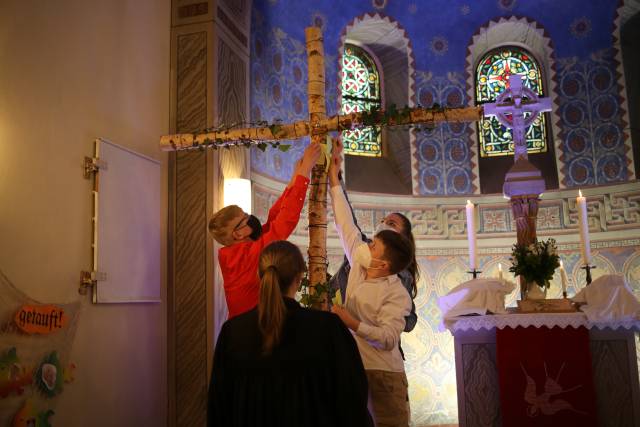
<point>350,235</point>
<point>353,214</point>
<point>283,221</point>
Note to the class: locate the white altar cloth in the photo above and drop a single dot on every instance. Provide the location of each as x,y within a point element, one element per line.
<point>538,320</point>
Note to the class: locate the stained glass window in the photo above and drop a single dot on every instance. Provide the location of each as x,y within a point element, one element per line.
<point>360,85</point>
<point>491,80</point>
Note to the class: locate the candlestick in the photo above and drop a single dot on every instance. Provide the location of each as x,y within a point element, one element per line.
<point>500,271</point>
<point>583,222</point>
<point>471,236</point>
<point>475,273</point>
<point>588,269</point>
<point>563,279</point>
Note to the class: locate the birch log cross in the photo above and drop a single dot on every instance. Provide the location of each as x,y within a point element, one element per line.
<point>317,127</point>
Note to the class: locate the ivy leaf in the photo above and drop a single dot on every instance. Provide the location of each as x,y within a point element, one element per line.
<point>284,148</point>
<point>262,146</point>
<point>275,129</point>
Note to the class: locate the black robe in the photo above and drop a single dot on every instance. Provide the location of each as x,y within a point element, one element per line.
<point>314,377</point>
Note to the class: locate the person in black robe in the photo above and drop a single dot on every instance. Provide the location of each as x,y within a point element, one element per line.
<point>283,365</point>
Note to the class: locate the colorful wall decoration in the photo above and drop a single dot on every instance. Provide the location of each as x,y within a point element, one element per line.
<point>590,128</point>
<point>440,230</point>
<point>35,342</point>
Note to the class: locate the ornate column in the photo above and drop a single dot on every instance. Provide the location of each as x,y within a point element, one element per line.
<point>525,213</point>
<point>524,184</point>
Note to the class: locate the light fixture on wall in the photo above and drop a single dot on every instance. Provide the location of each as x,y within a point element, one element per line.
<point>237,191</point>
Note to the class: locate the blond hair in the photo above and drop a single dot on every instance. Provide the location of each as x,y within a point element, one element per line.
<point>281,263</point>
<point>219,224</point>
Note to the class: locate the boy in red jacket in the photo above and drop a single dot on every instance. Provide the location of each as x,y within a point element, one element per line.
<point>243,237</point>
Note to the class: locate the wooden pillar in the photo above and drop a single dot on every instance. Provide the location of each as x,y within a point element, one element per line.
<point>525,213</point>
<point>318,187</point>
<point>209,82</point>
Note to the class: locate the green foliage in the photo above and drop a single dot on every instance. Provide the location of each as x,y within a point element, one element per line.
<point>392,118</point>
<point>309,299</point>
<point>275,128</point>
<point>535,262</point>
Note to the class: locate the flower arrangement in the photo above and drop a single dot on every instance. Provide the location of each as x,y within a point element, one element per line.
<point>535,262</point>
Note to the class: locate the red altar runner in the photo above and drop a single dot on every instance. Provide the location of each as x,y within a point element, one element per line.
<point>545,377</point>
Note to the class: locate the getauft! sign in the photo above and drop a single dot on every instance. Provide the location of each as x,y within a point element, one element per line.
<point>41,319</point>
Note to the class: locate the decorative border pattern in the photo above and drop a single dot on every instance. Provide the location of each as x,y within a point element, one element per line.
<point>609,209</point>
<point>550,320</point>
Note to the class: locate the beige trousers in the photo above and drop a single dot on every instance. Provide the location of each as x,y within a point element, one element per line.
<point>388,398</point>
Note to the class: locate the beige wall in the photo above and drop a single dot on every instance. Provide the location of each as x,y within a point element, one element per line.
<point>71,71</point>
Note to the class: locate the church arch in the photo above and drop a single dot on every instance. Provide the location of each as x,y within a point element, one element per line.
<point>387,41</point>
<point>626,44</point>
<point>529,35</point>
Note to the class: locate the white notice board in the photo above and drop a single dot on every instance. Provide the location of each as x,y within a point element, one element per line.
<point>127,208</point>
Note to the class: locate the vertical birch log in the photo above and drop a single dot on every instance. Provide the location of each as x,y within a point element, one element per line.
<point>318,186</point>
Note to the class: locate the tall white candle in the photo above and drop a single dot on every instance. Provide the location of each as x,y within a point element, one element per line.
<point>583,222</point>
<point>471,235</point>
<point>500,271</point>
<point>563,277</point>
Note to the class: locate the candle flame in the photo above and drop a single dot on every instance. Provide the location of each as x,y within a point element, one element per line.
<point>561,265</point>
<point>469,202</point>
<point>500,266</point>
<point>580,193</point>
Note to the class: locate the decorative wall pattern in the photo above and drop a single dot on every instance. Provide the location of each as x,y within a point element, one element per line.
<point>444,154</point>
<point>278,91</point>
<point>593,135</point>
<point>613,210</point>
<point>593,109</point>
<point>439,226</point>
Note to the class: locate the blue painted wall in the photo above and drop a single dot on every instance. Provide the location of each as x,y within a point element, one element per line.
<point>592,129</point>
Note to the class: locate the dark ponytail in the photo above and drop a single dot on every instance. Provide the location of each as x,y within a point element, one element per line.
<point>413,265</point>
<point>281,263</point>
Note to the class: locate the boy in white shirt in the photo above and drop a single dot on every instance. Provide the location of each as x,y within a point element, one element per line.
<point>376,305</point>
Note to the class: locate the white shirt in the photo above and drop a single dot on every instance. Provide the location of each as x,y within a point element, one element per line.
<point>379,304</point>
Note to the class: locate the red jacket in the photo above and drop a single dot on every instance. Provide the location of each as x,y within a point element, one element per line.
<point>239,262</point>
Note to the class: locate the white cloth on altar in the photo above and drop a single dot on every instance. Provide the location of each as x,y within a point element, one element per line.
<point>608,298</point>
<point>476,296</point>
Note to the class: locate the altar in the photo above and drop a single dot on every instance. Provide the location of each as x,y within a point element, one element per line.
<point>614,367</point>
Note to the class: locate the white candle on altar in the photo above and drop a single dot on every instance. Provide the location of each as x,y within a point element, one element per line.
<point>563,278</point>
<point>500,270</point>
<point>471,235</point>
<point>583,222</point>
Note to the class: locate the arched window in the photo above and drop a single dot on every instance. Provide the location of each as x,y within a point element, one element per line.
<point>360,88</point>
<point>491,80</point>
